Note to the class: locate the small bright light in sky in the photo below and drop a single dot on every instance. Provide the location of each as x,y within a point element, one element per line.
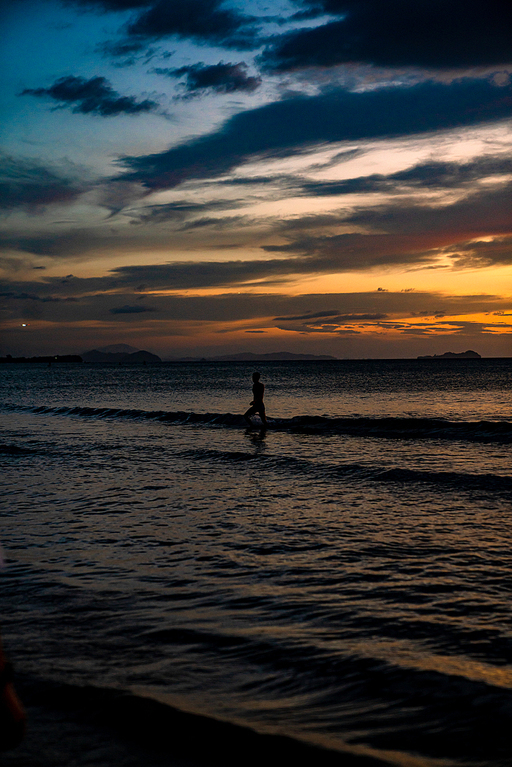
<point>236,164</point>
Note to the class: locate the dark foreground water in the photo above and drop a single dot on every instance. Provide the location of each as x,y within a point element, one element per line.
<point>343,578</point>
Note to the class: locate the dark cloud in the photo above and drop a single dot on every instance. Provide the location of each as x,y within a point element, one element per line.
<point>179,275</point>
<point>482,253</point>
<point>10,295</point>
<point>127,309</point>
<point>333,316</point>
<point>306,255</point>
<point>453,174</point>
<point>202,20</point>
<point>443,34</point>
<point>106,241</point>
<point>358,252</point>
<point>299,121</point>
<point>95,96</point>
<point>29,184</point>
<point>315,315</point>
<point>196,274</point>
<point>406,235</point>
<point>219,78</point>
<point>353,308</point>
<point>76,242</point>
<point>107,6</point>
<point>485,212</point>
<point>412,235</point>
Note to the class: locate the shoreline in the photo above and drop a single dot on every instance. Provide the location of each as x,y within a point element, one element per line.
<point>100,727</point>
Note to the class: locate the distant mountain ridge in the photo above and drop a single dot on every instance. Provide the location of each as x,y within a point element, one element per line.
<point>134,357</point>
<point>125,354</point>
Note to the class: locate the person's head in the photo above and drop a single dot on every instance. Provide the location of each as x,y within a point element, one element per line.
<point>255,376</point>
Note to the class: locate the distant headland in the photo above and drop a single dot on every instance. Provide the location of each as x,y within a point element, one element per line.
<point>117,354</point>
<point>469,355</point>
<point>49,358</point>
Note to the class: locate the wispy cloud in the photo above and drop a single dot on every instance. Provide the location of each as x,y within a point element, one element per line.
<point>299,121</point>
<point>127,309</point>
<point>433,174</point>
<point>30,184</point>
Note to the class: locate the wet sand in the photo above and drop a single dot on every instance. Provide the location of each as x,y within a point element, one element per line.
<point>71,726</point>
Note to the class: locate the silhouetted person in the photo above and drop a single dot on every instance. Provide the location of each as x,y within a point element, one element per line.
<point>257,406</point>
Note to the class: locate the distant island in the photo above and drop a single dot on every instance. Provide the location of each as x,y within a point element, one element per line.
<point>115,354</point>
<point>120,354</point>
<point>251,357</point>
<point>469,355</point>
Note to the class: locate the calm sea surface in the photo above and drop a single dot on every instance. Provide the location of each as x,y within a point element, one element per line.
<point>344,577</point>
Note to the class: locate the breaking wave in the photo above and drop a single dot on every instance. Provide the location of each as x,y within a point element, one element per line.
<point>385,428</point>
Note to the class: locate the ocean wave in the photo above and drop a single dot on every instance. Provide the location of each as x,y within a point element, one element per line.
<point>385,427</point>
<point>321,470</point>
<point>9,449</point>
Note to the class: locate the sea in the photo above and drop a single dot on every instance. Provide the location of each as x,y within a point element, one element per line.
<point>343,577</point>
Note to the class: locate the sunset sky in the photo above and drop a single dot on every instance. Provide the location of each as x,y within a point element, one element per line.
<point>199,177</point>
